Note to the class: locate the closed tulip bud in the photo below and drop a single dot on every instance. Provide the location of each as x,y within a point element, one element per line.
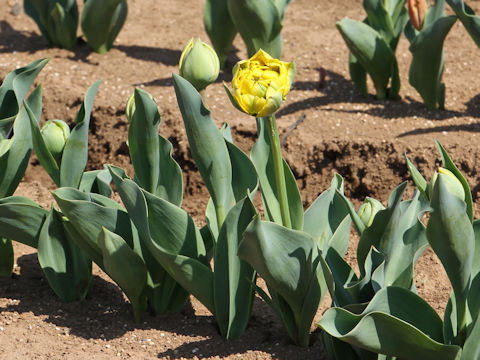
<point>453,184</point>
<point>417,10</point>
<point>368,210</point>
<point>199,64</point>
<point>261,83</point>
<point>130,108</point>
<point>55,133</point>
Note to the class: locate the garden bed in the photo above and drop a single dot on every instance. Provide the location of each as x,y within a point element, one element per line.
<point>327,126</point>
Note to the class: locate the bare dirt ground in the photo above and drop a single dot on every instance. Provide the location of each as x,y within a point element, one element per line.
<point>362,139</point>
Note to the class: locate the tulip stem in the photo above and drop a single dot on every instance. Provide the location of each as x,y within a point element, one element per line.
<point>279,169</point>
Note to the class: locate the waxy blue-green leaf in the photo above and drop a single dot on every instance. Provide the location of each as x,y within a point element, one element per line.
<point>13,91</point>
<point>358,74</point>
<point>75,153</point>
<point>449,165</point>
<point>67,268</point>
<point>372,51</point>
<point>163,292</point>
<point>21,219</point>
<point>233,278</point>
<point>396,323</point>
<point>471,348</point>
<point>155,169</point>
<point>262,158</point>
<point>259,22</point>
<point>101,22</point>
<point>96,181</point>
<point>325,215</point>
<point>56,19</point>
<point>450,234</point>
<point>417,178</point>
<point>88,213</point>
<point>288,261</point>
<point>207,146</point>
<point>468,18</point>
<point>219,27</point>
<point>125,267</point>
<point>14,160</point>
<point>426,69</point>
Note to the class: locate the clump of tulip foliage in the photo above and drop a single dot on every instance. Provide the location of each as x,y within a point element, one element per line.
<point>101,21</point>
<point>373,42</point>
<point>156,253</point>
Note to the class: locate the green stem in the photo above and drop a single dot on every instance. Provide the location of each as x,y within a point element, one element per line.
<point>279,170</point>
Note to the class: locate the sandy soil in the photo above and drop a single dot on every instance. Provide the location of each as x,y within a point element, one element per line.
<point>362,139</point>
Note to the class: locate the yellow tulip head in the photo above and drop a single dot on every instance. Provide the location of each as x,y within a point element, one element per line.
<point>261,83</point>
<point>199,64</point>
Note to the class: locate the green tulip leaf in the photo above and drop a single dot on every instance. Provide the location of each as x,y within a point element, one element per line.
<point>101,22</point>
<point>426,76</point>
<point>21,220</point>
<point>471,348</point>
<point>13,92</point>
<point>75,153</point>
<point>450,234</point>
<point>233,278</point>
<point>467,16</point>
<point>96,181</point>
<point>358,74</point>
<point>219,27</point>
<point>259,22</point>
<point>417,178</point>
<point>207,145</point>
<point>116,255</point>
<point>262,158</point>
<point>67,268</point>
<point>395,323</point>
<point>64,27</point>
<point>371,50</point>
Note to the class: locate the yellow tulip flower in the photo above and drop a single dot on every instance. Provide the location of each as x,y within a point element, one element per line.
<point>261,83</point>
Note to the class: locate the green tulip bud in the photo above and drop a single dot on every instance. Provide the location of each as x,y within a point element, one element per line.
<point>453,184</point>
<point>130,108</point>
<point>199,64</point>
<point>55,133</point>
<point>368,210</point>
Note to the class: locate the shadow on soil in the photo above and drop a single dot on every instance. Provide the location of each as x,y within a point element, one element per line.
<point>107,315</point>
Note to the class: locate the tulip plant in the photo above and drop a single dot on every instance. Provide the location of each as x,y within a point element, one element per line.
<point>15,147</point>
<point>397,322</point>
<point>259,23</point>
<point>426,32</point>
<point>101,21</point>
<point>372,44</point>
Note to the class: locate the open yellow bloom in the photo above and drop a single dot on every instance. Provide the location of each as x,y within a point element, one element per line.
<point>261,83</point>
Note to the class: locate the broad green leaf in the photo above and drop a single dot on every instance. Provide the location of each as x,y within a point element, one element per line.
<point>357,221</point>
<point>207,145</point>
<point>259,23</point>
<point>21,220</point>
<point>417,178</point>
<point>451,236</point>
<point>233,278</point>
<point>219,27</point>
<point>13,91</point>
<point>163,292</point>
<point>358,74</point>
<point>283,257</point>
<point>143,141</point>
<point>132,279</point>
<point>426,75</point>
<point>75,153</point>
<point>473,298</point>
<point>396,323</point>
<point>96,181</point>
<point>88,217</point>
<point>6,257</point>
<point>449,165</point>
<point>101,22</point>
<point>262,158</point>
<point>244,176</point>
<point>468,18</point>
<point>170,182</point>
<point>66,266</point>
<point>325,215</point>
<point>379,19</point>
<point>471,349</point>
<point>64,27</point>
<point>371,51</point>
<point>14,161</point>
